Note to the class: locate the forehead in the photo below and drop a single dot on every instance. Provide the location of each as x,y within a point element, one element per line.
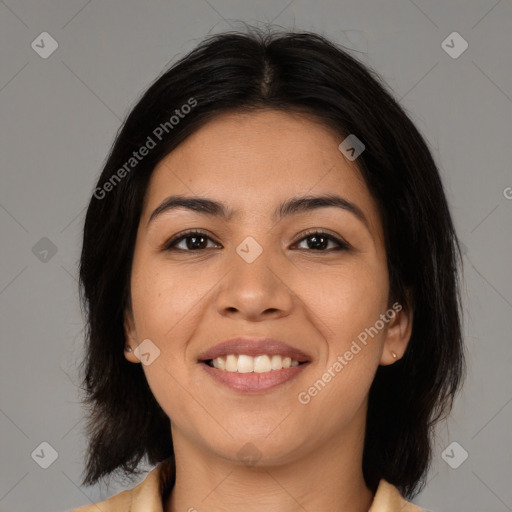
<point>253,161</point>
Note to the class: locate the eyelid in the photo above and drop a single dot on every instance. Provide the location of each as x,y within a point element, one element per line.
<point>178,237</point>
<point>343,244</point>
<point>167,245</point>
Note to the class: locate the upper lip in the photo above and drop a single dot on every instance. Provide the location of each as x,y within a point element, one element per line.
<point>253,347</point>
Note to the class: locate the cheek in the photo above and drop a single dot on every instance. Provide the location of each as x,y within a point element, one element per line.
<point>168,300</point>
<point>345,300</point>
<point>165,298</point>
<point>357,296</point>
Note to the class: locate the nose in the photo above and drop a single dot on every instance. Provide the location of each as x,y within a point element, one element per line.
<point>256,290</point>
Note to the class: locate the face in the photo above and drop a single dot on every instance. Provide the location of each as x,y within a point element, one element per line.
<point>314,278</point>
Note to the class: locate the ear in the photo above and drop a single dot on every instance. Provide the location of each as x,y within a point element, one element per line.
<point>130,337</point>
<point>398,332</point>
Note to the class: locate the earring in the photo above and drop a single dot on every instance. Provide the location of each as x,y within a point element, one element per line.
<point>393,354</point>
<point>128,348</point>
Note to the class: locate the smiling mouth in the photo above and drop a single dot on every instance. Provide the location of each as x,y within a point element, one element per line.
<point>253,375</point>
<point>242,363</point>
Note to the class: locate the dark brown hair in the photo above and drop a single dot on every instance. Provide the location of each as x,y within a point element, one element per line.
<point>291,72</point>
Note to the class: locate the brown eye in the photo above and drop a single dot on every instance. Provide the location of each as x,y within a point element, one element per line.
<point>189,241</point>
<point>319,241</point>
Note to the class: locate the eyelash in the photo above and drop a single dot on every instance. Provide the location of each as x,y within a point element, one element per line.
<point>170,245</point>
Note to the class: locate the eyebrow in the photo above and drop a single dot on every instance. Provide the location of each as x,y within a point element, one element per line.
<point>289,207</point>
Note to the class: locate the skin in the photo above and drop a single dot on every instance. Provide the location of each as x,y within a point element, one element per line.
<point>317,300</point>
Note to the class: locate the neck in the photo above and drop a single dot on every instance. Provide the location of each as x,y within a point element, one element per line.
<point>327,477</point>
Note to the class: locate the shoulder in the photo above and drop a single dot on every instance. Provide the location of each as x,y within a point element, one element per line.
<point>144,497</point>
<point>388,499</point>
<point>117,503</point>
<point>148,496</point>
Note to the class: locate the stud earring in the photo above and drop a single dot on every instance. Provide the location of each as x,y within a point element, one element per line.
<point>393,354</point>
<point>128,348</point>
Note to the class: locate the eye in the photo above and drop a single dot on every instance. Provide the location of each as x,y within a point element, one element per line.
<point>193,241</point>
<point>318,241</point>
<point>189,241</point>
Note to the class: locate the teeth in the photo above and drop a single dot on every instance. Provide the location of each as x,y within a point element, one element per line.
<point>220,363</point>
<point>247,364</point>
<point>261,364</point>
<point>276,363</point>
<point>231,363</point>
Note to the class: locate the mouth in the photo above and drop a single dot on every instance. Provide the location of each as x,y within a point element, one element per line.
<point>243,363</point>
<point>253,365</point>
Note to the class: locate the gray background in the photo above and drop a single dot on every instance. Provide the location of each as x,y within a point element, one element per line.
<point>59,116</point>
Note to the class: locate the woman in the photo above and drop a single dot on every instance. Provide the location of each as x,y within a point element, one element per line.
<point>270,275</point>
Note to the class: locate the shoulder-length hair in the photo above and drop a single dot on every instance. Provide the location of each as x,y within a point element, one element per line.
<point>291,72</point>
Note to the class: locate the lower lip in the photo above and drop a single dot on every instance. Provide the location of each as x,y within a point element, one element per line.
<point>253,382</point>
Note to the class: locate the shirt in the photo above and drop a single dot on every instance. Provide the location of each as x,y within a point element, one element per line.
<point>147,496</point>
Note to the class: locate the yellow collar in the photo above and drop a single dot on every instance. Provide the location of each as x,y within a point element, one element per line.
<point>147,496</point>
